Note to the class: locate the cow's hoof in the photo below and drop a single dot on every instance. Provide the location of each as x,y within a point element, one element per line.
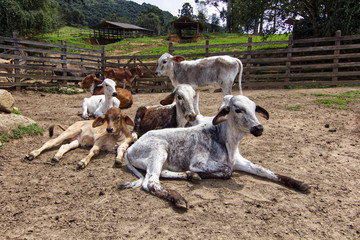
<point>181,204</point>
<point>29,157</point>
<point>304,187</point>
<point>55,160</point>
<point>193,177</point>
<point>81,165</point>
<point>117,163</point>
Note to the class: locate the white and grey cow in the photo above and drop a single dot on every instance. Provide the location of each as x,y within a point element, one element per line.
<point>221,70</point>
<point>202,151</point>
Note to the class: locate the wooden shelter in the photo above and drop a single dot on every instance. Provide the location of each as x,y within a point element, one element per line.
<point>114,31</point>
<point>185,29</point>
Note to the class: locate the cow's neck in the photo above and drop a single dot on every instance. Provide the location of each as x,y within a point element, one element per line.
<point>180,117</point>
<point>232,139</point>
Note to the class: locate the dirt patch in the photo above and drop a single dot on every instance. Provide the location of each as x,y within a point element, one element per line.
<point>44,201</point>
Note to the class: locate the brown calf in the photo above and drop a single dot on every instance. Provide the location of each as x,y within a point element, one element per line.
<point>90,83</point>
<point>125,75</point>
<point>107,132</point>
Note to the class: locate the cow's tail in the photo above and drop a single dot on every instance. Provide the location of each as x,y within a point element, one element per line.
<point>51,129</point>
<point>241,68</point>
<point>136,183</point>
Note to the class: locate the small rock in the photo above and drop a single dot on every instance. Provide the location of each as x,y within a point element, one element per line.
<point>6,101</point>
<point>327,125</point>
<point>332,130</point>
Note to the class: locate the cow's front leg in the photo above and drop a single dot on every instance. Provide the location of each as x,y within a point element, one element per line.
<point>121,151</point>
<point>85,161</point>
<point>211,169</point>
<point>242,164</point>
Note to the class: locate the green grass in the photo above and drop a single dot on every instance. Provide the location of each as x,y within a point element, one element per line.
<point>16,112</point>
<point>294,108</point>
<point>338,101</point>
<point>19,132</point>
<point>64,90</point>
<point>220,38</point>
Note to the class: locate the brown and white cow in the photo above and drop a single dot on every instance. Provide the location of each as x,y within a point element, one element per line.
<point>91,82</point>
<point>125,75</point>
<point>221,70</point>
<point>107,132</point>
<point>168,114</point>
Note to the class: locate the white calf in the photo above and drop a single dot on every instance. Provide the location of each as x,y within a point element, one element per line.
<point>99,104</point>
<point>203,151</point>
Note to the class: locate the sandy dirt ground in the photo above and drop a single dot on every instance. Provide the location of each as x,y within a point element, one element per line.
<point>40,200</point>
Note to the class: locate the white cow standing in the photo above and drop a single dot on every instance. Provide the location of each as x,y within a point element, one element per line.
<point>221,70</point>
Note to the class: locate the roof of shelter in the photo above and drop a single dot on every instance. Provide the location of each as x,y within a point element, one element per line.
<point>118,25</point>
<point>185,22</point>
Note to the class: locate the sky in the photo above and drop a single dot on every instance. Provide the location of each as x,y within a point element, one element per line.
<point>173,6</point>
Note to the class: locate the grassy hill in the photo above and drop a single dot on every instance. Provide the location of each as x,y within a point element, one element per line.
<point>150,45</point>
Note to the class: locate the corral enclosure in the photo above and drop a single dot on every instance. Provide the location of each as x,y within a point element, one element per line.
<point>44,201</point>
<point>275,64</point>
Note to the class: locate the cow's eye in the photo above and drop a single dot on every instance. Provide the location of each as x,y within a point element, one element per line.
<point>239,111</point>
<point>180,97</point>
<point>164,62</point>
<point>106,85</point>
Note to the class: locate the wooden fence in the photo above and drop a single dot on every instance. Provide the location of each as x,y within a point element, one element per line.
<point>317,61</point>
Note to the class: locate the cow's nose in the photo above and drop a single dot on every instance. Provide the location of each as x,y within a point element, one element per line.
<point>114,94</point>
<point>109,130</point>
<point>191,117</point>
<point>257,130</point>
<point>157,73</point>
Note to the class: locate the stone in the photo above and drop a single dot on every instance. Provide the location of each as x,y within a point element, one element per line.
<point>12,121</point>
<point>6,101</point>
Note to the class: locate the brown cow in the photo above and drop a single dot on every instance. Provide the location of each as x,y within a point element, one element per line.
<point>91,82</point>
<point>107,132</point>
<point>125,75</point>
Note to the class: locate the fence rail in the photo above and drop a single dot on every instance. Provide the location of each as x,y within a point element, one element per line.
<point>317,61</point>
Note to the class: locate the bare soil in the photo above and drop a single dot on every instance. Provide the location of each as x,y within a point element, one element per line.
<point>40,200</point>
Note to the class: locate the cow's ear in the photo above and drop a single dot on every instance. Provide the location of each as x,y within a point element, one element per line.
<point>99,121</point>
<point>221,116</point>
<point>128,120</point>
<point>178,58</point>
<point>262,112</point>
<point>169,99</point>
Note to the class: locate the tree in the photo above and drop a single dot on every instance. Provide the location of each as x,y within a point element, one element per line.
<point>186,11</point>
<point>27,16</point>
<point>150,21</point>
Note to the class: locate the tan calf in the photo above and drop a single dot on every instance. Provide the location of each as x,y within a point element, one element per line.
<point>107,132</point>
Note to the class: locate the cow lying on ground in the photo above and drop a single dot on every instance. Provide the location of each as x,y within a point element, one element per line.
<point>169,116</point>
<point>203,151</point>
<point>107,132</point>
<point>125,75</point>
<point>91,83</point>
<point>221,70</point>
<point>99,104</point>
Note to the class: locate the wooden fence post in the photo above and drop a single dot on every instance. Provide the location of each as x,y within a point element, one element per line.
<point>336,59</point>
<point>103,63</point>
<point>171,49</point>
<point>16,62</point>
<point>248,64</point>
<point>207,48</point>
<point>63,57</point>
<point>288,59</point>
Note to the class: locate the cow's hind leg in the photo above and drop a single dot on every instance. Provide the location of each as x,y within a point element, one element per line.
<point>64,149</point>
<point>211,169</point>
<point>152,184</point>
<point>68,134</point>
<point>242,164</point>
<point>188,175</point>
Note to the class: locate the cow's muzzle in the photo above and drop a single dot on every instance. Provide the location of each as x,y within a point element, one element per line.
<point>191,117</point>
<point>257,130</point>
<point>114,94</point>
<point>109,130</point>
